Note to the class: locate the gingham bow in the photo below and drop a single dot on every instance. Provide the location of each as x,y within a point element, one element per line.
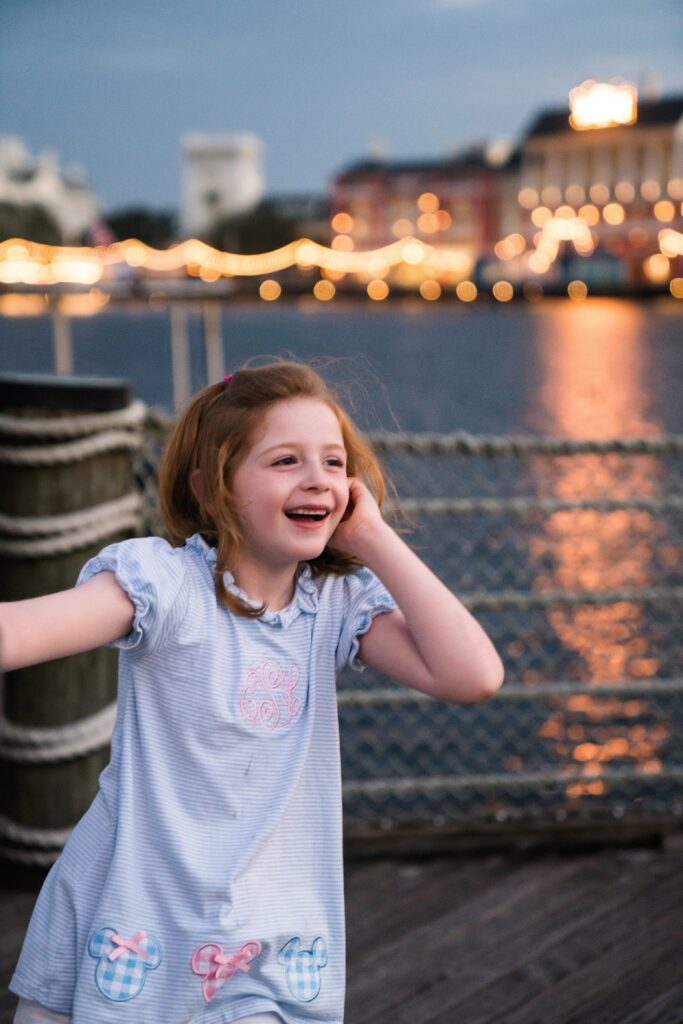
<point>216,967</point>
<point>132,944</point>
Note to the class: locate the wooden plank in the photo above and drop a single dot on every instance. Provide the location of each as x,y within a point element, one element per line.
<point>666,1008</point>
<point>577,970</point>
<point>416,894</point>
<point>601,990</point>
<point>456,934</point>
<point>472,968</point>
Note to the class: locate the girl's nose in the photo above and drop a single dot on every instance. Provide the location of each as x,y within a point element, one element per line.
<point>314,478</point>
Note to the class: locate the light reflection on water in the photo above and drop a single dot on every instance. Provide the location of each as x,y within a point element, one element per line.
<point>591,388</point>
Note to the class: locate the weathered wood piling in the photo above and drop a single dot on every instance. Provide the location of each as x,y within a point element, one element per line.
<point>66,490</point>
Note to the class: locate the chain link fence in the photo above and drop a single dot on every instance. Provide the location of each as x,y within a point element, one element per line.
<point>569,553</point>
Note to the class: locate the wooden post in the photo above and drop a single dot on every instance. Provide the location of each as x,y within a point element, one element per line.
<point>62,344</point>
<point>180,355</point>
<point>53,792</point>
<point>213,342</point>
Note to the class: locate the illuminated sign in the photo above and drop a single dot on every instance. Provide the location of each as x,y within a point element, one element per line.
<point>603,105</point>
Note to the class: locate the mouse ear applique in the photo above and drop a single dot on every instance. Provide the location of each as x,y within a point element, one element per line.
<point>302,967</point>
<point>215,967</point>
<point>123,962</point>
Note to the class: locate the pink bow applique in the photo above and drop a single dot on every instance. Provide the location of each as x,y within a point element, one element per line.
<point>215,967</point>
<point>132,944</point>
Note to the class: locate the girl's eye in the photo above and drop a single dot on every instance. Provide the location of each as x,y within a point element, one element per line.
<point>335,462</point>
<point>286,460</point>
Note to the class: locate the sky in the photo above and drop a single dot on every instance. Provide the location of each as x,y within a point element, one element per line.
<point>114,86</point>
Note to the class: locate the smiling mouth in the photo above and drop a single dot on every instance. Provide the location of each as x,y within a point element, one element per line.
<point>307,515</point>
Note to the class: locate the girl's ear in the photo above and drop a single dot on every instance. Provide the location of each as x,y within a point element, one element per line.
<point>197,486</point>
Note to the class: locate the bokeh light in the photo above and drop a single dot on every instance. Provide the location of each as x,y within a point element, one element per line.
<point>613,213</point>
<point>270,290</point>
<point>430,290</point>
<point>503,291</point>
<point>664,210</point>
<point>428,202</point>
<point>342,223</point>
<point>324,290</point>
<point>577,290</point>
<point>378,290</point>
<point>466,291</point>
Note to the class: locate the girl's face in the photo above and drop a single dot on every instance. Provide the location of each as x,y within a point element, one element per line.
<point>292,490</point>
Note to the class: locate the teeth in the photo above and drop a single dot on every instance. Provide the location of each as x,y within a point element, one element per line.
<point>308,512</point>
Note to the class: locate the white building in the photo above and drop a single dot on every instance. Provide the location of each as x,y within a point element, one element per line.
<point>26,179</point>
<point>222,176</point>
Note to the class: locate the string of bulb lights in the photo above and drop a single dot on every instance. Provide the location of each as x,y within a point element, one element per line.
<point>32,263</point>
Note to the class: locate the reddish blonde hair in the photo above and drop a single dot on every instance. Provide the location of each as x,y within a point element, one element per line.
<point>213,434</point>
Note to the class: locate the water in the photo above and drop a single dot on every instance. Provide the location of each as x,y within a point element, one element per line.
<point>600,368</point>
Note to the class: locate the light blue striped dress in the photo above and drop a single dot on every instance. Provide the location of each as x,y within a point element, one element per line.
<point>205,882</point>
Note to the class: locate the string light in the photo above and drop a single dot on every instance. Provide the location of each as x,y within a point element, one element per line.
<point>23,261</point>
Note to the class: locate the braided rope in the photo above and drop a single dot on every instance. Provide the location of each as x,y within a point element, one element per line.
<point>31,858</point>
<point>526,691</point>
<point>519,444</point>
<point>73,426</point>
<point>460,506</point>
<point>461,442</point>
<point>411,786</point>
<point>69,522</point>
<point>26,836</point>
<point>51,744</point>
<point>127,519</point>
<point>521,599</point>
<point>69,451</point>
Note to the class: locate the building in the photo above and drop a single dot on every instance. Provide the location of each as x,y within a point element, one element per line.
<point>594,192</point>
<point>222,176</point>
<point>455,204</point>
<point>599,184</point>
<point>39,180</point>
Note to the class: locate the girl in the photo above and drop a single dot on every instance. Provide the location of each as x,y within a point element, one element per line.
<point>204,883</point>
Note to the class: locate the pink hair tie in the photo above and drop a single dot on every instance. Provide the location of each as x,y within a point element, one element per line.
<point>226,380</point>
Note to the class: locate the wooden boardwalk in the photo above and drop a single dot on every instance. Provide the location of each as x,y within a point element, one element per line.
<point>592,937</point>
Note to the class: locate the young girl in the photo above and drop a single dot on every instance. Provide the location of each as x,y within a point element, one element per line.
<point>204,884</point>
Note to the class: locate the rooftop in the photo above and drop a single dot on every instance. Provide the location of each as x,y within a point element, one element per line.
<point>650,112</point>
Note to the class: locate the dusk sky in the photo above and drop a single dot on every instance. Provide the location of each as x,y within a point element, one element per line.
<point>114,86</point>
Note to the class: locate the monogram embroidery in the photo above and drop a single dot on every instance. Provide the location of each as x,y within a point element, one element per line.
<point>268,700</point>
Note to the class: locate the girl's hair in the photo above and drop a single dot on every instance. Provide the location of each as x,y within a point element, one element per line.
<point>214,433</point>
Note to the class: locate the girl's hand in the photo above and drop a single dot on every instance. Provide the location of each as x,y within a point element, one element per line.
<point>361,522</point>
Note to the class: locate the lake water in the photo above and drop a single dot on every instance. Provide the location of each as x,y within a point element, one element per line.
<point>599,368</point>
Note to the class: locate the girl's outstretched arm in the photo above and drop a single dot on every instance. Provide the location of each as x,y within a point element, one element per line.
<point>431,642</point>
<point>71,621</point>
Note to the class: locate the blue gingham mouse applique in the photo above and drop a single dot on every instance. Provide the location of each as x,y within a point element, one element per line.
<point>303,967</point>
<point>123,962</point>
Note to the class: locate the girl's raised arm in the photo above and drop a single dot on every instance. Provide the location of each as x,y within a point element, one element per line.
<point>431,642</point>
<point>68,622</point>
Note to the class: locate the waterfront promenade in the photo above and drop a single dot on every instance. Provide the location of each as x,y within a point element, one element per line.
<point>573,936</point>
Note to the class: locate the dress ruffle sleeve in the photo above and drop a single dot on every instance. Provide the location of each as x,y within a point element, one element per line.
<point>154,578</point>
<point>364,598</point>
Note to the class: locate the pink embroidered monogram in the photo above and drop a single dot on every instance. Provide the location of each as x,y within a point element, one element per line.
<point>268,700</point>
<point>211,963</point>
